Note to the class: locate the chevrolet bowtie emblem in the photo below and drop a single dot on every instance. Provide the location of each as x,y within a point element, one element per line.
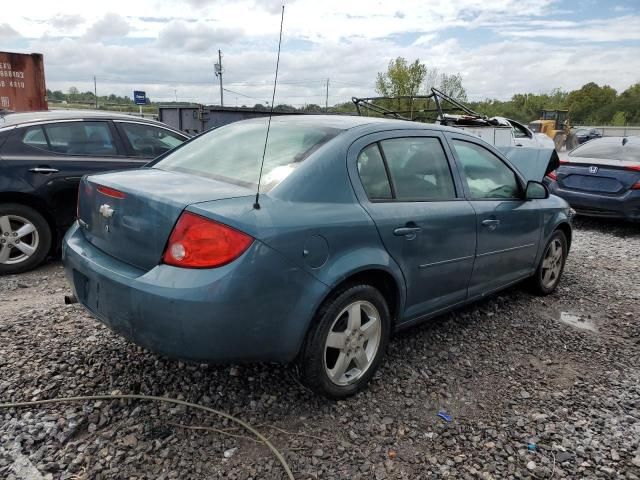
<point>106,211</point>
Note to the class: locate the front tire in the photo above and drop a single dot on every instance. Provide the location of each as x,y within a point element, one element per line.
<point>25,238</point>
<point>347,342</point>
<point>551,266</point>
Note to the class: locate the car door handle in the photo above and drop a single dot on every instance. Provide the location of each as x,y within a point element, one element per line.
<point>491,223</point>
<point>406,231</point>
<point>43,170</point>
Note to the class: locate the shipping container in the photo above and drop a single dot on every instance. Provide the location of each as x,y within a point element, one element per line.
<point>194,119</point>
<point>22,87</point>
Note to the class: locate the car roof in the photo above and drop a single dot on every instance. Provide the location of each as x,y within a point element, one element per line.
<point>18,118</point>
<point>347,122</point>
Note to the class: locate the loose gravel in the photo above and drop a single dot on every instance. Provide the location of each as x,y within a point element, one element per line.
<point>535,388</point>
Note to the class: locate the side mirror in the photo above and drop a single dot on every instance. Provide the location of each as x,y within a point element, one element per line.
<point>536,191</point>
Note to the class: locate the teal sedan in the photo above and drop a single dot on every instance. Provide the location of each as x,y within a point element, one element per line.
<point>361,227</point>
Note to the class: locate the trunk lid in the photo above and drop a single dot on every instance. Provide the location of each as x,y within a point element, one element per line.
<point>134,229</point>
<point>603,176</point>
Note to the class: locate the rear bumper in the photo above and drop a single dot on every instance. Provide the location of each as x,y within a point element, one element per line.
<point>254,309</point>
<point>626,206</point>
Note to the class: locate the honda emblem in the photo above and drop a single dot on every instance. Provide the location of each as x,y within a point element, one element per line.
<point>593,169</point>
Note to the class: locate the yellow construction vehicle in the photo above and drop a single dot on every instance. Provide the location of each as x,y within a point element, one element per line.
<point>555,124</point>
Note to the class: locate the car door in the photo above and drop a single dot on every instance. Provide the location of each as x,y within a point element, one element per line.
<point>508,226</point>
<point>148,141</point>
<point>52,157</point>
<point>406,183</point>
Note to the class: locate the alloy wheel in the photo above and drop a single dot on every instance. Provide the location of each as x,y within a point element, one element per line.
<point>352,343</point>
<point>19,239</point>
<point>552,263</point>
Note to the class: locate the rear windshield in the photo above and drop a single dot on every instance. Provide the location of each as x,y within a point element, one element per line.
<point>608,150</point>
<point>233,153</point>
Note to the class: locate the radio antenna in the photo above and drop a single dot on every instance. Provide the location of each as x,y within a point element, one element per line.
<point>256,205</point>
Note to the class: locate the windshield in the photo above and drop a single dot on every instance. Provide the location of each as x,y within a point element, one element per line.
<point>609,150</point>
<point>233,153</point>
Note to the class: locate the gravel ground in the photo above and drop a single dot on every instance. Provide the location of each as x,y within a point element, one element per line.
<point>535,387</point>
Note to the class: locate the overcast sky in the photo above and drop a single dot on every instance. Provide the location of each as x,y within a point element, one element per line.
<point>168,48</point>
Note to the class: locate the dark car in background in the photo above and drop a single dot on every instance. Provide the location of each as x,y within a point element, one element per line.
<point>583,135</point>
<point>43,156</point>
<point>601,178</point>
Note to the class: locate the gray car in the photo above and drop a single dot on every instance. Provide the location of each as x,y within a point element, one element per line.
<point>601,178</point>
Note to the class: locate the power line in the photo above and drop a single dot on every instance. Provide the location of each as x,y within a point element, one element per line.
<point>243,95</point>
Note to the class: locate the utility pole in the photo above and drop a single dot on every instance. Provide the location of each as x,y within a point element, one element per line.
<point>175,91</point>
<point>95,90</point>
<point>326,98</point>
<point>218,70</point>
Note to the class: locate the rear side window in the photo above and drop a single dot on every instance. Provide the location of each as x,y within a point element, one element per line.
<point>419,169</point>
<point>607,149</point>
<point>80,138</point>
<point>148,140</point>
<point>373,173</point>
<point>34,136</point>
<point>486,175</point>
<point>72,138</point>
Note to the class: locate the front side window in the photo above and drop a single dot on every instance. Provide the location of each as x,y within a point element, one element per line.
<point>79,138</point>
<point>486,175</point>
<point>519,131</point>
<point>148,140</point>
<point>419,169</point>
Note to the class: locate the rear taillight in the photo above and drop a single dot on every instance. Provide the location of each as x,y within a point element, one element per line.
<point>636,186</point>
<point>552,176</point>
<point>198,242</point>
<point>635,168</point>
<point>111,192</point>
<point>87,192</point>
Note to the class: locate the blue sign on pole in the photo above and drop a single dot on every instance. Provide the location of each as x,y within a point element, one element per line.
<point>139,97</point>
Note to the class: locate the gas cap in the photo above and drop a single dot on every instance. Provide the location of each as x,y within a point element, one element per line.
<point>315,251</point>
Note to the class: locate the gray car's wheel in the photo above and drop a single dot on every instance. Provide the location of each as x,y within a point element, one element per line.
<point>25,238</point>
<point>347,342</point>
<point>549,271</point>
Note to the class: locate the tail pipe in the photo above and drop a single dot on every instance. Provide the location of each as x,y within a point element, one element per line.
<point>70,299</point>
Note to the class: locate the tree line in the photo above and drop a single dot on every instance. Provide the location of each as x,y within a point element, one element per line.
<point>591,104</point>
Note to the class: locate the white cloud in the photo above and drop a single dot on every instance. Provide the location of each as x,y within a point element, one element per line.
<point>66,22</point>
<point>7,31</point>
<point>610,30</point>
<point>110,26</point>
<point>196,37</point>
<point>163,45</point>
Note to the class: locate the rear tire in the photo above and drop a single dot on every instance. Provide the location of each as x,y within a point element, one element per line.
<point>347,342</point>
<point>551,266</point>
<point>25,238</point>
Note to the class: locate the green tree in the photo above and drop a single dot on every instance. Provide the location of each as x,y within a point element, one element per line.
<point>619,119</point>
<point>401,78</point>
<point>590,103</point>
<point>451,85</point>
